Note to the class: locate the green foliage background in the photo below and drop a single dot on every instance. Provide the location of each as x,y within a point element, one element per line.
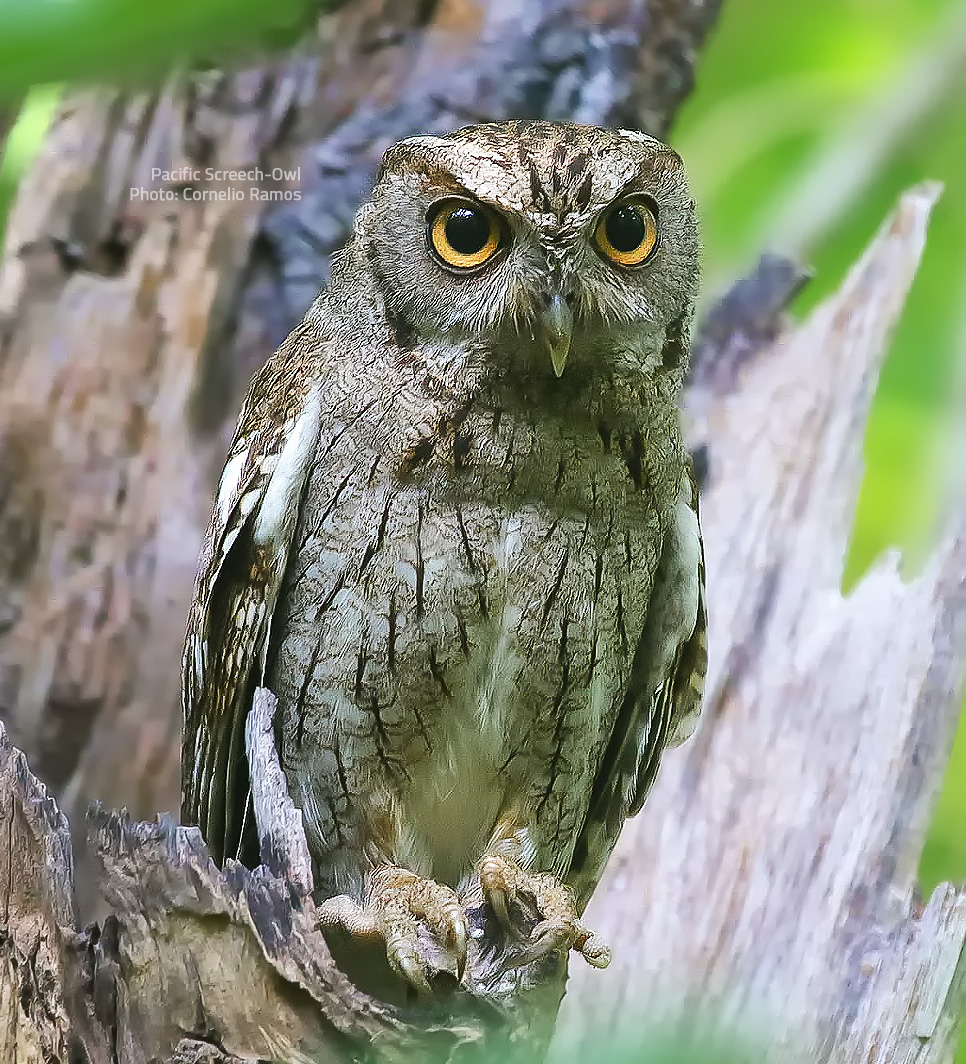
<point>808,120</point>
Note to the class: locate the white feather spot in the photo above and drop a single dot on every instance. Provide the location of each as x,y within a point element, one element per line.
<point>640,137</point>
<point>280,500</point>
<point>201,658</point>
<point>229,483</point>
<point>247,502</point>
<point>278,512</point>
<point>680,592</point>
<point>230,538</point>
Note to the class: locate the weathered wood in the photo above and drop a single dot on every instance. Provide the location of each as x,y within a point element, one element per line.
<point>771,877</point>
<point>129,330</point>
<point>282,845</point>
<point>47,999</point>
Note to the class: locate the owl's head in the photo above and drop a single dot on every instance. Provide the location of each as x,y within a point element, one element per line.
<point>550,245</point>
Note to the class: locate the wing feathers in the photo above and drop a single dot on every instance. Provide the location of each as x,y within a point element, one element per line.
<point>662,699</point>
<point>241,571</point>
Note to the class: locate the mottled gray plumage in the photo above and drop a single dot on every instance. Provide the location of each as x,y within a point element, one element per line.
<point>476,587</point>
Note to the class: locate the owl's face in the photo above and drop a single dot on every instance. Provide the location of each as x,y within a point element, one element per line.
<point>548,245</point>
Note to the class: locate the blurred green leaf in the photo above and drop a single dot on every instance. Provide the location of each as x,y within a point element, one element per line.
<point>23,142</point>
<point>45,41</point>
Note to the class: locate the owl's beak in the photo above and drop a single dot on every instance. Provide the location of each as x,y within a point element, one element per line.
<point>556,327</point>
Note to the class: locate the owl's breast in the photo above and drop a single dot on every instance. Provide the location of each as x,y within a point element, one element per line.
<point>452,643</point>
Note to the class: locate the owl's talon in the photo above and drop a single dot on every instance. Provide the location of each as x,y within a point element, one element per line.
<point>559,930</point>
<point>405,962</point>
<point>458,940</point>
<point>497,898</point>
<point>499,889</point>
<point>397,902</point>
<point>593,949</point>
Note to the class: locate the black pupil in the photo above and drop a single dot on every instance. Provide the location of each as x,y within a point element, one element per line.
<point>625,228</point>
<point>467,230</point>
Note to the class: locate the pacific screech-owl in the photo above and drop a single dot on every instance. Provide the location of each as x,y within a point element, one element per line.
<point>457,535</point>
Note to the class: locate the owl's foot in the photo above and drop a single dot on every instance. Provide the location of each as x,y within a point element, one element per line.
<point>558,929</point>
<point>397,903</point>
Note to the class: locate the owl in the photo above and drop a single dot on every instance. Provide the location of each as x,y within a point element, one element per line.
<point>457,536</point>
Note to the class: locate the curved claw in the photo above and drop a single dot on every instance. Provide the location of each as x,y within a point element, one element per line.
<point>405,962</point>
<point>457,939</point>
<point>440,909</point>
<point>499,891</point>
<point>498,899</point>
<point>594,951</point>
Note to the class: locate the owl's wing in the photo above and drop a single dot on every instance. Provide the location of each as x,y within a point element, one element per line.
<point>663,699</point>
<point>240,573</point>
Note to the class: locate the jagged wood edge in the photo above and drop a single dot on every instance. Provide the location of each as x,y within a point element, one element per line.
<point>282,845</point>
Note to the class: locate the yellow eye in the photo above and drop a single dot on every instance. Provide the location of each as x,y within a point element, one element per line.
<point>464,234</point>
<point>627,233</point>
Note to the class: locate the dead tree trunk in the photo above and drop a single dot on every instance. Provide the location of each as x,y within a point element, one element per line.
<point>771,874</point>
